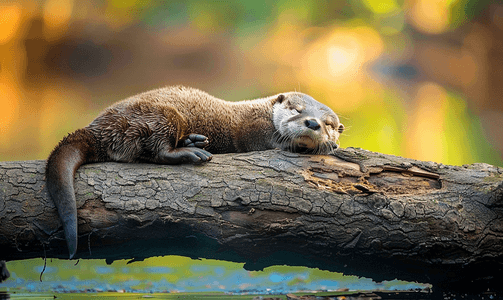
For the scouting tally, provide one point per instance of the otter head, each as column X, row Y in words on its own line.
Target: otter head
column 305, row 125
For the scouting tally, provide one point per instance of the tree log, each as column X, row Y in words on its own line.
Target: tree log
column 368, row 214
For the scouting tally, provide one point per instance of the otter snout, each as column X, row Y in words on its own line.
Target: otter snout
column 312, row 124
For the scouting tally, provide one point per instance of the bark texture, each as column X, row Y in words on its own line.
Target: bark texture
column 368, row 214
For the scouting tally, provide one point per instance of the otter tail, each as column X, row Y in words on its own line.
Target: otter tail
column 74, row 150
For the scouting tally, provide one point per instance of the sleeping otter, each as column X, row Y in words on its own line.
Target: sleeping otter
column 175, row 125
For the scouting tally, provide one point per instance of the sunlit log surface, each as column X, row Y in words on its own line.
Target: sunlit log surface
column 371, row 215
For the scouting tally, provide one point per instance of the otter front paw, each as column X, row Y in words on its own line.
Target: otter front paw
column 184, row 155
column 195, row 140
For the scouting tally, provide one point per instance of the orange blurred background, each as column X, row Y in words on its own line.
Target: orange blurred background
column 416, row 78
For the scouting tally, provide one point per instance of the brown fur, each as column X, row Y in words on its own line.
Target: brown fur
column 160, row 118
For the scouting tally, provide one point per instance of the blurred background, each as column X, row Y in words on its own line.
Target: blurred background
column 416, row 78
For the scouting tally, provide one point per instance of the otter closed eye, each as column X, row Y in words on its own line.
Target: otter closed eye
column 176, row 125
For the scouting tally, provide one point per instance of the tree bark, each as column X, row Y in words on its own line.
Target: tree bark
column 368, row 214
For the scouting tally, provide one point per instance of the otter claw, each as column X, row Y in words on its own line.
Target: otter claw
column 197, row 137
column 196, row 140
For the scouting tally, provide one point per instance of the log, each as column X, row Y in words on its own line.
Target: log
column 359, row 212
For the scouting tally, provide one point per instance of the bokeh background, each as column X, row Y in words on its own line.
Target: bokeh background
column 416, row 78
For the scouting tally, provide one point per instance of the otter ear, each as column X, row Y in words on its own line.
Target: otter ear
column 280, row 98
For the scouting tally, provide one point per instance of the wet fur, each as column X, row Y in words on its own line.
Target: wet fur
column 155, row 127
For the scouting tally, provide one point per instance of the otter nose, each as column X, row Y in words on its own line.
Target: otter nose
column 312, row 124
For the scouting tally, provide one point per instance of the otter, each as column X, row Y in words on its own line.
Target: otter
column 174, row 125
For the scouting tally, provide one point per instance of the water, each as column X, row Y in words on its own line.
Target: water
column 383, row 295
column 128, row 296
column 175, row 275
